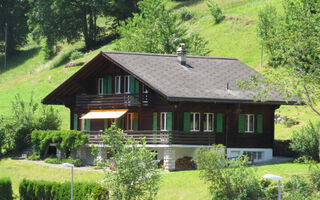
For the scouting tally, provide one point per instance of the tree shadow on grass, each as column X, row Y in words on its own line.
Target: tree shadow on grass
column 18, row 58
column 186, row 3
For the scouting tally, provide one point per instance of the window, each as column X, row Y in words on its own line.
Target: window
column 249, row 123
column 130, row 117
column 100, row 86
column 117, row 84
column 163, row 122
column 144, row 89
column 208, row 123
column 194, row 121
column 127, row 84
column 254, row 155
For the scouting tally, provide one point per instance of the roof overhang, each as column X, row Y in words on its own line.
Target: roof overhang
column 104, row 114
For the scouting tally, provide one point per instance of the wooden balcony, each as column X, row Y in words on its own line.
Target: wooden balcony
column 106, row 100
column 162, row 137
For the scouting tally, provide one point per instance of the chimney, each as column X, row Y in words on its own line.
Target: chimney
column 181, row 52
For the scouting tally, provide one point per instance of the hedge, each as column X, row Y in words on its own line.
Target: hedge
column 5, row 189
column 66, row 140
column 45, row 190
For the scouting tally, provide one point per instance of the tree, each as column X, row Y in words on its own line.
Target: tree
column 25, row 117
column 13, row 12
column 131, row 172
column 295, row 39
column 156, row 30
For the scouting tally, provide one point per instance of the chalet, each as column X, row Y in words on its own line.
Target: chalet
column 177, row 102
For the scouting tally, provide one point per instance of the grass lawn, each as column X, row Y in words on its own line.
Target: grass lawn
column 174, row 185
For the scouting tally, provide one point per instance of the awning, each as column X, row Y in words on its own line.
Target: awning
column 104, row 114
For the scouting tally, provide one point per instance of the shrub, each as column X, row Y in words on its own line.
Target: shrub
column 215, row 11
column 303, row 159
column 5, row 189
column 34, row 156
column 25, row 117
column 75, row 55
column 306, row 141
column 227, row 179
column 301, row 186
column 66, row 140
column 185, row 14
column 44, row 190
column 315, row 176
column 53, row 160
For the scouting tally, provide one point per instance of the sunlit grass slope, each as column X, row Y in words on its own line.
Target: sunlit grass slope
column 235, row 37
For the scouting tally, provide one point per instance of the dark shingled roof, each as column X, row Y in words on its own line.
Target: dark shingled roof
column 202, row 79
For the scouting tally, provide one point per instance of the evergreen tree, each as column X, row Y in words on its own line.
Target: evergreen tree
column 13, row 12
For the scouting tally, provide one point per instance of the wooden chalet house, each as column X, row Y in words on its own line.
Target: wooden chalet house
column 177, row 102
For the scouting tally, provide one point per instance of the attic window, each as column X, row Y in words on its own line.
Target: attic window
column 100, row 86
column 117, row 84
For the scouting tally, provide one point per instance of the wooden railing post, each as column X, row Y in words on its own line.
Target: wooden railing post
column 170, row 137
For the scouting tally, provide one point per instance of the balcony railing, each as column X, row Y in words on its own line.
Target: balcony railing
column 120, row 100
column 161, row 137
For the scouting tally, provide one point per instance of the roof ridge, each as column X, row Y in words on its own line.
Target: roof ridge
column 166, row 55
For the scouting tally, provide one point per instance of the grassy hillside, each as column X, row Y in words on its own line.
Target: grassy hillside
column 234, row 37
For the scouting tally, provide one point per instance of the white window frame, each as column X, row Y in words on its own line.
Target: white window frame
column 206, row 129
column 163, row 124
column 247, row 118
column 100, row 86
column 194, row 122
column 117, row 85
column 127, row 84
column 145, row 89
column 130, row 117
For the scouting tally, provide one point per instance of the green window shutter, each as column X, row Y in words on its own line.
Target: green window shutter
column 155, row 121
column 135, row 121
column 88, row 124
column 186, row 121
column 109, row 85
column 105, row 85
column 75, row 122
column 132, row 84
column 259, row 123
column 106, row 123
column 241, row 123
column 136, row 87
column 169, row 121
column 120, row 122
column 219, row 122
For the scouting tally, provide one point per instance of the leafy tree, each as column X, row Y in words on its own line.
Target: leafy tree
column 13, row 12
column 227, row 179
column 295, row 45
column 215, row 11
column 122, row 9
column 25, row 117
column 156, row 30
column 131, row 172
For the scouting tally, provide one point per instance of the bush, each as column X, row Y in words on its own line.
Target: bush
column 306, row 141
column 24, row 118
column 185, row 14
column 34, row 156
column 53, row 160
column 5, row 189
column 228, row 179
column 44, row 190
column 215, row 11
column 75, row 55
column 66, row 140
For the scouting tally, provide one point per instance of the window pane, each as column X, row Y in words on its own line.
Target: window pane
column 210, row 122
column 205, row 122
column 251, row 123
column 191, row 121
column 197, row 121
column 246, row 123
column 164, row 121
